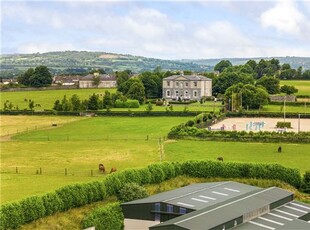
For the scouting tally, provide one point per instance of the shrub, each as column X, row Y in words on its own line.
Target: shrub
column 145, row 174
column 11, row 216
column 52, row 203
column 132, row 191
column 306, row 182
column 127, row 104
column 113, row 184
column 109, row 217
column 281, row 124
column 32, row 208
column 157, row 173
column 72, row 196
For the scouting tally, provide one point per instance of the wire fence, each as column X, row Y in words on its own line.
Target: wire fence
column 44, row 171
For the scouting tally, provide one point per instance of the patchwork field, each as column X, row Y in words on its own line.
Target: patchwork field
column 78, row 146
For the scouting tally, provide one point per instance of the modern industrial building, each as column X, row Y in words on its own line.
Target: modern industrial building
column 186, row 87
column 221, row 205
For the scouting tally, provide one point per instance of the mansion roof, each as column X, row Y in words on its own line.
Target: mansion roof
column 188, row 77
column 103, row 77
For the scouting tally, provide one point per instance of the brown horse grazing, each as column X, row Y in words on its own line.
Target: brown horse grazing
column 220, row 159
column 280, row 149
column 101, row 168
column 113, row 170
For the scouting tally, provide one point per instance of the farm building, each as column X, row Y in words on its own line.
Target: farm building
column 105, row 81
column 221, row 205
column 186, row 87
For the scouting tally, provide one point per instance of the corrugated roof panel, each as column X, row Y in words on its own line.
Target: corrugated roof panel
column 176, row 193
column 208, row 218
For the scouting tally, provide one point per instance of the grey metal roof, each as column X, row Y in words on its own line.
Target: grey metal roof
column 103, row 77
column 284, row 217
column 216, row 215
column 188, row 77
column 198, row 196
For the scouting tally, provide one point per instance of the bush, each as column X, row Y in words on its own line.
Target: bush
column 157, row 173
column 32, row 208
column 127, row 104
column 11, row 216
column 306, row 182
column 52, row 203
column 281, row 124
column 68, row 195
column 132, row 191
column 109, row 217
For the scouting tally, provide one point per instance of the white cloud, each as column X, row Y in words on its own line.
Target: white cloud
column 44, row 47
column 286, row 18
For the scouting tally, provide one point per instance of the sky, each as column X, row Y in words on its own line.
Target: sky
column 158, row 29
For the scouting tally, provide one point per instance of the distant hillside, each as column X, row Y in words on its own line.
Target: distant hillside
column 295, row 62
column 75, row 61
column 82, row 61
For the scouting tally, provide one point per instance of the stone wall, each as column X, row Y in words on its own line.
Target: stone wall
column 288, row 98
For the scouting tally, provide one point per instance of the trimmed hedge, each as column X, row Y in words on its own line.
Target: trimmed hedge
column 127, row 104
column 13, row 215
column 266, row 114
column 185, row 132
column 281, row 124
column 239, row 170
column 109, row 217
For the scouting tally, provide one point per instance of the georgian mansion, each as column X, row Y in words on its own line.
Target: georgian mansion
column 186, row 87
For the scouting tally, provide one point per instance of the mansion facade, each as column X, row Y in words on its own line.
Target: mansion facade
column 186, row 87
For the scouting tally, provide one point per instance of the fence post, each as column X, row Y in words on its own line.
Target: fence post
column 147, row 137
column 91, row 172
column 16, row 170
column 65, row 171
column 40, row 171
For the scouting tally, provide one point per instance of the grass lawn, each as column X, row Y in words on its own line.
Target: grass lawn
column 303, row 86
column 46, row 98
column 15, row 124
column 293, row 155
column 288, row 108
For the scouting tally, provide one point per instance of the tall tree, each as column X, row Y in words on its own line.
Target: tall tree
column 136, row 91
column 24, row 78
column 222, row 65
column 252, row 96
column 107, row 100
column 271, row 84
column 40, row 77
column 93, row 102
column 75, row 102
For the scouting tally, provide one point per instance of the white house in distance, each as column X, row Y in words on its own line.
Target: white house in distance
column 186, row 87
column 106, row 81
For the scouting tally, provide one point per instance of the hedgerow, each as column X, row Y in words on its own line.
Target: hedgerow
column 185, row 132
column 109, row 217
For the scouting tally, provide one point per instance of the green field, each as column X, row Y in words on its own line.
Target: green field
column 80, row 145
column 288, row 108
column 46, row 98
column 302, row 86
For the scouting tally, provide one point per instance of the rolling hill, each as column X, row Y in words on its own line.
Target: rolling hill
column 82, row 61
